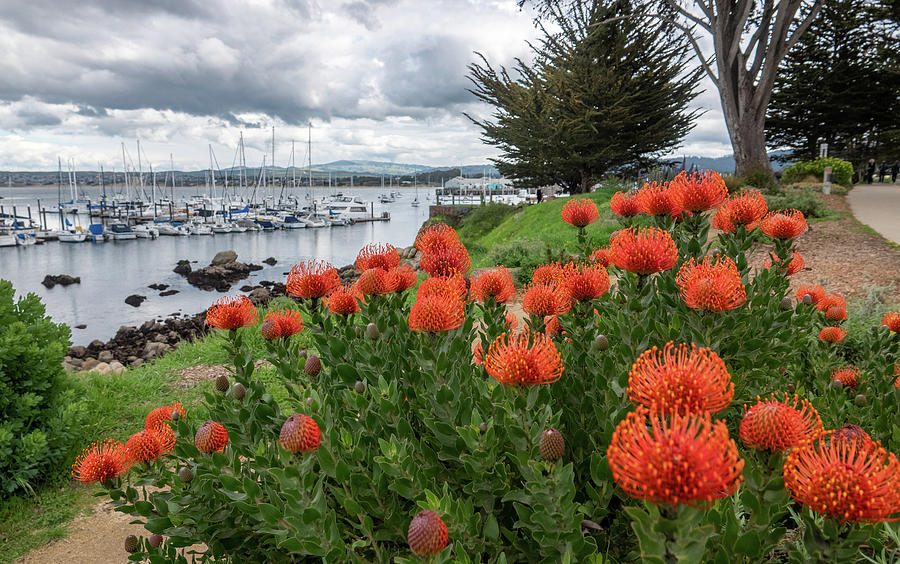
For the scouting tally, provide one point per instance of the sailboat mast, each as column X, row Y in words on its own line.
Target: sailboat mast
column 125, row 165
column 102, row 183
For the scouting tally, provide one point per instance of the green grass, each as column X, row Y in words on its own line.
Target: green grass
column 117, row 405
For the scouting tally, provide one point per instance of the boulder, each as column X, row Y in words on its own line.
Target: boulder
column 61, row 279
column 76, row 362
column 101, row 368
column 96, row 344
column 183, row 267
column 270, row 261
column 105, row 356
column 89, row 364
column 116, row 367
column 81, row 326
column 158, row 287
column 136, row 362
column 153, row 350
column 260, row 296
column 224, row 257
column 135, row 300
column 168, row 293
column 77, row 351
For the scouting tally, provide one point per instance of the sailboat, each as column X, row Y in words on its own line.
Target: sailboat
column 415, row 202
column 74, row 235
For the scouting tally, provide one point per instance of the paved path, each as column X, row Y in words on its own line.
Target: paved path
column 878, row 206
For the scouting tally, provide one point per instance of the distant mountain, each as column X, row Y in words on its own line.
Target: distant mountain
column 721, row 164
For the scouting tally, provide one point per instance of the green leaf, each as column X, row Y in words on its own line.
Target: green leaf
column 269, row 512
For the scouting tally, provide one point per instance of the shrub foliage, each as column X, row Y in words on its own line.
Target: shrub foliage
column 842, row 171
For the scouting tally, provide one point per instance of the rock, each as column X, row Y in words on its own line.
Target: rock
column 183, row 267
column 223, row 258
column 135, row 300
column 220, row 277
column 247, row 288
column 61, row 279
column 101, row 368
column 96, row 344
column 105, row 356
column 131, row 359
column 159, row 287
column 260, row 296
column 160, row 338
column 81, row 326
column 77, row 351
column 89, row 364
column 76, row 362
column 153, row 349
column 136, row 362
column 168, row 293
column 270, row 261
column 116, row 367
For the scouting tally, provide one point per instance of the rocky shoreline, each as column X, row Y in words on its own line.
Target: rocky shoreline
column 133, row 346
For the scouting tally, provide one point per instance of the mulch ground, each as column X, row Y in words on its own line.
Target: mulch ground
column 844, row 256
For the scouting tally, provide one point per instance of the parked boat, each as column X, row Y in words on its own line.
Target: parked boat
column 121, row 232
column 168, row 229
column 201, row 229
column 219, row 228
column 98, row 234
column 291, row 222
column 71, row 236
column 145, row 232
column 312, row 221
column 7, row 239
column 265, row 225
column 24, row 239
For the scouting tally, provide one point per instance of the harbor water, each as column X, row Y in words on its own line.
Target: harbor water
column 113, row 270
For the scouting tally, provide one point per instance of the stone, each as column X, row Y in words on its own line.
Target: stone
column 135, row 300
column 81, row 326
column 260, row 296
column 76, row 362
column 96, row 344
column 136, row 362
column 224, row 257
column 168, row 293
column 116, row 367
column 160, row 338
column 270, row 261
column 101, row 368
column 159, row 287
column 77, row 351
column 154, row 349
column 105, row 356
column 61, row 279
column 89, row 364
column 183, row 267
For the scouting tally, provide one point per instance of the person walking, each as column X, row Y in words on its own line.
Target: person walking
column 882, row 171
column 870, row 171
column 895, row 169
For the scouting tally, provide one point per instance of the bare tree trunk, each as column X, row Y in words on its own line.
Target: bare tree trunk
column 746, row 129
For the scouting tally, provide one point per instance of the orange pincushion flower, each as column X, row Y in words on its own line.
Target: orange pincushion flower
column 794, row 266
column 816, row 293
column 435, row 236
column 711, row 284
column 855, row 433
column 699, row 192
column 550, row 273
column 446, row 260
column 211, row 437
column 343, row 301
column 658, row 198
column 680, row 381
column 600, row 257
column 848, row 376
column 584, row 282
column 543, row 299
column 511, row 320
column 406, row 277
column 552, row 325
column 891, row 320
column 674, row 460
column 453, row 286
column 377, row 255
column 376, row 282
column 832, row 334
column 836, row 313
column 281, row 324
column 580, row 212
column 844, row 480
column 643, row 251
column 526, row 359
column 625, row 204
column 777, row 425
column 494, row 284
column 312, row 279
column 784, row 224
column 436, row 313
column 231, row 312
column 101, row 462
column 478, row 354
column 162, row 414
column 897, row 382
column 150, row 444
column 746, row 208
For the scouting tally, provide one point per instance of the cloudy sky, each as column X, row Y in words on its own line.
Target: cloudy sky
column 377, row 79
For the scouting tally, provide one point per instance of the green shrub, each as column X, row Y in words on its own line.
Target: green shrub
column 523, row 255
column 39, row 414
column 734, row 183
column 761, row 178
column 805, row 200
column 842, row 171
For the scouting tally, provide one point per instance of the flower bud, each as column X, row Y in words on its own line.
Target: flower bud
column 787, row 303
column 372, row 331
column 155, row 540
column 238, row 391
column 185, row 474
column 601, row 342
column 131, row 544
column 807, row 299
column 360, row 387
column 860, row 400
column 222, row 383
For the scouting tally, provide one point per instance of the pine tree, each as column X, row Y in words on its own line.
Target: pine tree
column 839, row 86
column 598, row 97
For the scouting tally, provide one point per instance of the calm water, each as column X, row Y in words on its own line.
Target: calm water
column 112, row 271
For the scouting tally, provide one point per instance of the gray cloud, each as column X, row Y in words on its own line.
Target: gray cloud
column 28, row 119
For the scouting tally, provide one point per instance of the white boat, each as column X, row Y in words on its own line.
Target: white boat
column 312, row 221
column 201, row 229
column 71, row 236
column 168, row 229
column 288, row 221
column 145, row 232
column 247, row 225
column 235, row 228
column 120, row 232
column 25, row 239
column 7, row 239
column 349, row 210
column 222, row 228
column 386, row 199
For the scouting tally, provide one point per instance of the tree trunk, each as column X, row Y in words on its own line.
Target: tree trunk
column 746, row 129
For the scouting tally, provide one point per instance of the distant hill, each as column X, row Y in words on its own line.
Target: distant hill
column 721, row 164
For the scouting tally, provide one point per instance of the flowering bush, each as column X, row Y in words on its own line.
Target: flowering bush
column 671, row 406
